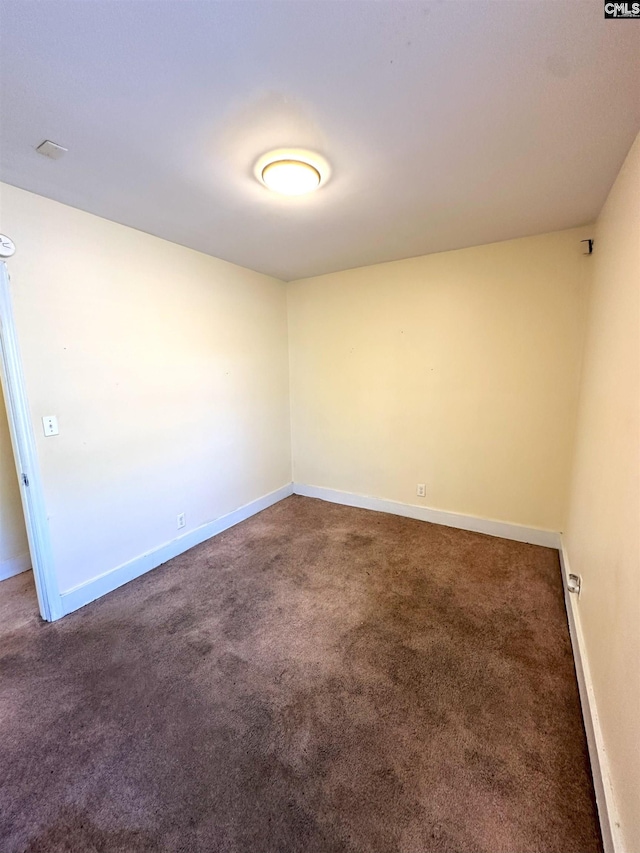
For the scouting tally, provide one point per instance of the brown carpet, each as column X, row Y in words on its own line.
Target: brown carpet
column 318, row 678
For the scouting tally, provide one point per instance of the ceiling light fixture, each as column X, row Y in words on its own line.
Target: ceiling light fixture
column 292, row 172
column 291, row 177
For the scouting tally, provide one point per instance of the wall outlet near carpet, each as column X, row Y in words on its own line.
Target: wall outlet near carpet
column 574, row 584
column 420, row 490
column 181, row 520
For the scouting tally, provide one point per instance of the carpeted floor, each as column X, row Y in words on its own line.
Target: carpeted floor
column 318, row 678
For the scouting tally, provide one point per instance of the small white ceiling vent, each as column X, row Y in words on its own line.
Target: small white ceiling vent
column 51, row 149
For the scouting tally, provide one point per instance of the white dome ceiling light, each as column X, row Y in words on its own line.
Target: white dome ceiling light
column 291, row 177
column 292, row 172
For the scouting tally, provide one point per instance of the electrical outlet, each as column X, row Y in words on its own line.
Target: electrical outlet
column 574, row 584
column 181, row 520
column 420, row 491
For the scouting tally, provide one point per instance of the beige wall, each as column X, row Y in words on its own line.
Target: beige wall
column 167, row 370
column 13, row 537
column 603, row 532
column 458, row 370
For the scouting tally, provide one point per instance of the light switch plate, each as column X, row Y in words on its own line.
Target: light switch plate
column 50, row 425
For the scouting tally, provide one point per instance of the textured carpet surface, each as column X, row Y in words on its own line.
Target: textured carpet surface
column 318, row 678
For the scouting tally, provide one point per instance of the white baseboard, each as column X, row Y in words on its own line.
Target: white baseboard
column 607, row 812
column 502, row 529
column 84, row 593
column 14, row 566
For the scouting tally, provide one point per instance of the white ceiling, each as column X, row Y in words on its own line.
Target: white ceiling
column 447, row 124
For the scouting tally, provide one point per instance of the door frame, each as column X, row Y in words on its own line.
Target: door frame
column 26, row 458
